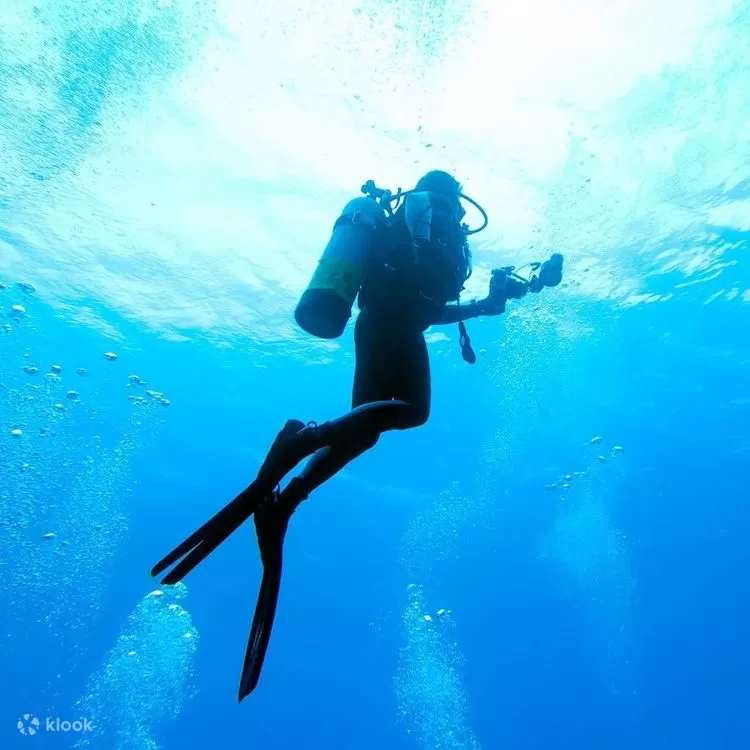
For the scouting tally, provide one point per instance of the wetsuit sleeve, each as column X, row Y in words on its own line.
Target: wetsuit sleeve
column 474, row 309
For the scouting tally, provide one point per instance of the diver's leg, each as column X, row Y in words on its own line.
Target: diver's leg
column 369, row 419
column 323, row 465
column 389, row 364
column 406, row 377
column 386, row 364
column 351, row 435
column 391, row 392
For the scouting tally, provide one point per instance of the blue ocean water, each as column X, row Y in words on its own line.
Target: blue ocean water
column 171, row 170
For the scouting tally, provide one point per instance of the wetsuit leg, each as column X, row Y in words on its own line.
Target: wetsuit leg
column 392, row 391
column 392, row 364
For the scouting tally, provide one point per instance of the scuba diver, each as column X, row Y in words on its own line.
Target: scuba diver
column 406, row 258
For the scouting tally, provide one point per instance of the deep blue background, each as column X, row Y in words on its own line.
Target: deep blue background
column 658, row 379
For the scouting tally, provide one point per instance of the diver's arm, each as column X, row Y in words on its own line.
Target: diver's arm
column 474, row 309
column 502, row 288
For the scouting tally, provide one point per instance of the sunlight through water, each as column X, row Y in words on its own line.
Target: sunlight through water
column 155, row 150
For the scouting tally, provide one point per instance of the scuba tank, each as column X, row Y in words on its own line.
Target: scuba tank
column 326, row 305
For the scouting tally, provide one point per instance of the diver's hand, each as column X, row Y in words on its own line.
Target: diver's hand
column 503, row 286
column 498, row 281
column 515, row 289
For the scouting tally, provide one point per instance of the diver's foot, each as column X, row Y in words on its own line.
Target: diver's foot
column 295, row 442
column 273, row 514
column 271, row 522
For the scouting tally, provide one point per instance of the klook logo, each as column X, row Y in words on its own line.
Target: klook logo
column 28, row 724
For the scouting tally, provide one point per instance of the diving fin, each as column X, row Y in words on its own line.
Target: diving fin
column 271, row 521
column 208, row 537
column 260, row 632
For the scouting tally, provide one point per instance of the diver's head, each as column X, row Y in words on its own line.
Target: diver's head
column 443, row 184
column 440, row 182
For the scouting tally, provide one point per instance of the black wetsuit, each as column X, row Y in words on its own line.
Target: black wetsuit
column 392, row 363
column 392, row 385
column 398, row 301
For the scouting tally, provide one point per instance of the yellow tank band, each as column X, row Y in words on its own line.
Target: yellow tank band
column 338, row 275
